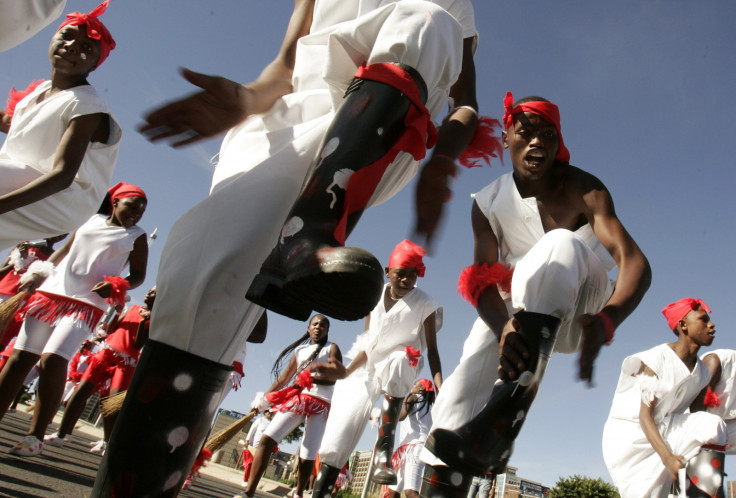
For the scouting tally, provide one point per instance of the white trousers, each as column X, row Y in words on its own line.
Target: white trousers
column 314, row 427
column 215, row 250
column 62, row 339
column 353, row 400
column 559, row 276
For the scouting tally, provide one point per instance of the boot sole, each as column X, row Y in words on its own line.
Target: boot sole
column 266, row 290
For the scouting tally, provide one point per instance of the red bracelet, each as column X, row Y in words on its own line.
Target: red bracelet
column 607, row 324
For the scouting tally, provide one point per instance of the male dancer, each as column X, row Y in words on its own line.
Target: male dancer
column 544, row 237
column 397, row 63
column 655, row 427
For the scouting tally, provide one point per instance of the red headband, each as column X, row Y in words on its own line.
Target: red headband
column 95, row 29
column 547, row 110
column 122, row 190
column 674, row 312
column 427, row 384
column 407, row 254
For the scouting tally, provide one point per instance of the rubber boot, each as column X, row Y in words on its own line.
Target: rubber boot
column 325, row 482
column 310, row 269
column 162, row 425
column 705, row 473
column 487, row 440
column 444, row 482
column 383, row 471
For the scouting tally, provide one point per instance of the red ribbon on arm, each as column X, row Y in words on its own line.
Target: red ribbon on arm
column 119, row 290
column 413, row 355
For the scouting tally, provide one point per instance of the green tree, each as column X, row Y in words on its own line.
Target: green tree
column 582, row 487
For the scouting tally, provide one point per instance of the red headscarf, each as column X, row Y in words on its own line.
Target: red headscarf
column 95, row 29
column 547, row 110
column 407, row 254
column 122, row 190
column 427, row 384
column 674, row 312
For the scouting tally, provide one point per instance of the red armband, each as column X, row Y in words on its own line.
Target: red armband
column 711, row 399
column 607, row 324
column 413, row 355
column 476, row 278
column 484, row 145
column 118, row 292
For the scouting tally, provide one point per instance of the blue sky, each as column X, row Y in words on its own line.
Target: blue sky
column 645, row 91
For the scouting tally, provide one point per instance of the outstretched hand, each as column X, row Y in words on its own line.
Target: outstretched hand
column 103, row 289
column 513, row 351
column 327, row 373
column 594, row 336
column 432, row 192
column 220, row 105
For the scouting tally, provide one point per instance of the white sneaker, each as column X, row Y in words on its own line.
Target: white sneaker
column 99, row 447
column 29, row 446
column 55, row 440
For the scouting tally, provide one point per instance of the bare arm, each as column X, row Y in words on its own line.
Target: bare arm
column 332, row 371
column 141, row 333
column 672, row 462
column 433, row 355
column 285, row 376
column 634, row 275
column 713, row 362
column 458, row 129
column 222, row 103
column 69, row 155
column 5, row 120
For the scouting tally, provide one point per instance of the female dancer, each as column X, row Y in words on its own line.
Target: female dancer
column 308, row 400
column 65, row 308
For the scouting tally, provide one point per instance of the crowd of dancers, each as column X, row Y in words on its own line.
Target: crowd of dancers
column 339, row 121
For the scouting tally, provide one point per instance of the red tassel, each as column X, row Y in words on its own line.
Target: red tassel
column 484, row 144
column 413, row 355
column 118, row 292
column 282, row 396
column 476, row 278
column 304, row 379
column 18, row 95
column 711, row 399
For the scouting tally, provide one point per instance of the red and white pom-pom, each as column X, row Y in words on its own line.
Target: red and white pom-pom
column 413, row 355
column 18, row 95
column 476, row 278
column 484, row 145
column 119, row 290
column 711, row 399
column 260, row 402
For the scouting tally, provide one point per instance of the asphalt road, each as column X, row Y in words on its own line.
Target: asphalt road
column 70, row 471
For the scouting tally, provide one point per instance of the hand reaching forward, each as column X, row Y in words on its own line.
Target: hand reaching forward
column 220, row 105
column 513, row 351
column 594, row 336
column 432, row 192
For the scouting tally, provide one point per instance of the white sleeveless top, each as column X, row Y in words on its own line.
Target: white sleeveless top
column 303, row 353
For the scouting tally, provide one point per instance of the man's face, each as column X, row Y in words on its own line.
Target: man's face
column 699, row 327
column 532, row 144
column 402, row 280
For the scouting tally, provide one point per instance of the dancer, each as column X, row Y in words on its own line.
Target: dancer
column 252, row 440
column 399, row 331
column 416, row 419
column 62, row 144
column 307, row 401
column 277, row 129
column 113, row 364
column 545, row 236
column 15, row 265
column 653, row 429
column 66, row 307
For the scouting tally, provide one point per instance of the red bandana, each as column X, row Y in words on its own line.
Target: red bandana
column 95, row 29
column 674, row 312
column 547, row 110
column 407, row 254
column 427, row 384
column 122, row 190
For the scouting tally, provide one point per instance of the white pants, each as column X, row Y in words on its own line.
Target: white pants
column 63, row 339
column 353, row 400
column 215, row 250
column 559, row 276
column 314, row 427
column 409, row 476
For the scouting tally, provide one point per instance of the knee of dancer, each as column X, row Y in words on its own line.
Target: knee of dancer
column 712, row 429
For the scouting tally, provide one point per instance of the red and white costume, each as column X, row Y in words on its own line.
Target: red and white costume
column 64, row 310
column 388, row 370
column 29, row 152
column 559, row 273
column 413, row 432
column 636, row 469
column 726, row 392
column 310, row 406
column 263, row 162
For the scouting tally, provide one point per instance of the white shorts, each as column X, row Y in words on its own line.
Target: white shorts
column 314, row 427
column 63, row 339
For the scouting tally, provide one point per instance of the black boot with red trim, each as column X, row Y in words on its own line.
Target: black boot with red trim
column 162, row 425
column 487, row 440
column 324, row 485
column 310, row 269
column 383, row 471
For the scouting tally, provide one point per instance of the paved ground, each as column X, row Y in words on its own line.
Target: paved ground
column 70, row 471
